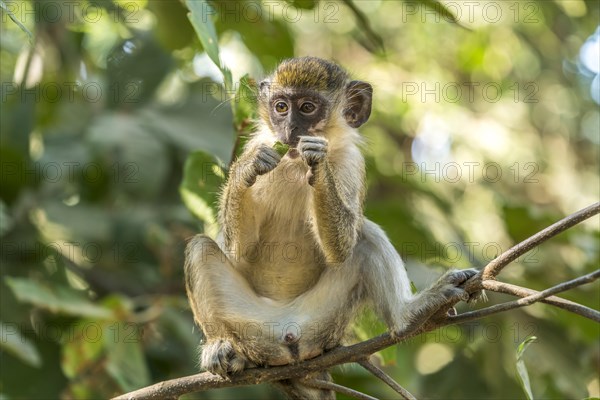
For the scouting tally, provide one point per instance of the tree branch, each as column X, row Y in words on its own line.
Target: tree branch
column 372, row 368
column 493, row 268
column 320, row 384
column 174, row 388
column 519, row 291
column 526, row 301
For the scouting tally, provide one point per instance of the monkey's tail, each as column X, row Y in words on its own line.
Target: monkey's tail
column 295, row 390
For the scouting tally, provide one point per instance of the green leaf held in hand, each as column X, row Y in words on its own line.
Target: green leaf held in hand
column 281, row 148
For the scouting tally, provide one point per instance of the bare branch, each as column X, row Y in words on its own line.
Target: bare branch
column 576, row 308
column 174, row 388
column 378, row 372
column 526, row 301
column 496, row 265
column 320, row 384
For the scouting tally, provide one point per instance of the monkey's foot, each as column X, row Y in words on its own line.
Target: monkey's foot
column 440, row 297
column 451, row 284
column 220, row 358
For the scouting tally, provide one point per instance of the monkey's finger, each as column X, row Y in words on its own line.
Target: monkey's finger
column 309, row 138
column 312, row 139
column 458, row 277
column 313, row 157
column 269, row 156
column 314, row 147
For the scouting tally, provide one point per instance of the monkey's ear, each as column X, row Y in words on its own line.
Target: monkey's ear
column 264, row 88
column 358, row 103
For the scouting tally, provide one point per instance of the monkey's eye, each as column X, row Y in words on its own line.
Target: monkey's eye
column 307, row 107
column 281, row 107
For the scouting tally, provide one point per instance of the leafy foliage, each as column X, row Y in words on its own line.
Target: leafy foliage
column 119, row 119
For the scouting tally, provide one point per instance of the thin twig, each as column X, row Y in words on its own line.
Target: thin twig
column 525, row 301
column 379, row 373
column 365, row 26
column 174, row 388
column 320, row 384
column 496, row 265
column 519, row 291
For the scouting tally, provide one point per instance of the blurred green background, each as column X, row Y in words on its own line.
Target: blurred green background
column 485, row 129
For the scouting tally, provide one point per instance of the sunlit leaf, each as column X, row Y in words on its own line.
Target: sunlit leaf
column 442, row 10
column 14, row 18
column 269, row 40
column 245, row 104
column 13, row 342
column 200, row 15
column 522, row 369
column 202, row 178
column 303, row 4
column 125, row 358
column 56, row 299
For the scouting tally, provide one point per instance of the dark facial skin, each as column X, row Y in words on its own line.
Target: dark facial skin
column 297, row 113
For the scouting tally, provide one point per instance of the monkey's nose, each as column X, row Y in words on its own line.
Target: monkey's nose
column 293, row 137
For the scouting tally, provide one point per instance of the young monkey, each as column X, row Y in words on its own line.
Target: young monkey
column 296, row 257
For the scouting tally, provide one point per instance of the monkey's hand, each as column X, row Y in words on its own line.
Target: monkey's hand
column 313, row 149
column 262, row 161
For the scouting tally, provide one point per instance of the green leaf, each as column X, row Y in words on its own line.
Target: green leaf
column 13, row 342
column 303, row 4
column 141, row 160
column 442, row 10
column 179, row 125
column 83, row 348
column 245, row 104
column 6, row 221
column 201, row 18
column 281, row 148
column 269, row 40
column 125, row 357
column 522, row 369
column 202, row 179
column 413, row 288
column 367, row 326
column 56, row 299
column 14, row 18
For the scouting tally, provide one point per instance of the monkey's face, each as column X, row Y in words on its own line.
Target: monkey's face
column 297, row 113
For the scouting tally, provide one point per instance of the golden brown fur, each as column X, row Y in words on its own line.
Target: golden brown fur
column 296, row 257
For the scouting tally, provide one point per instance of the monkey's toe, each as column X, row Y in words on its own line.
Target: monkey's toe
column 220, row 358
column 460, row 276
column 453, row 282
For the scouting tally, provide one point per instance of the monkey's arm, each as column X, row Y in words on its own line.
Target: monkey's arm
column 338, row 197
column 256, row 160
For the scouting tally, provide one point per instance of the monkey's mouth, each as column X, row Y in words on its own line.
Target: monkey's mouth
column 292, row 141
column 293, row 153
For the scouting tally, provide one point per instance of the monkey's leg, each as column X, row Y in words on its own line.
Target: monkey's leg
column 387, row 284
column 235, row 321
column 295, row 390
